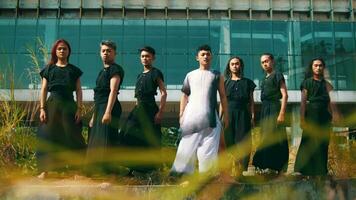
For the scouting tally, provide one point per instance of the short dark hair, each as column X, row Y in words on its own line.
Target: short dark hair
column 204, row 47
column 148, row 49
column 108, row 43
column 269, row 55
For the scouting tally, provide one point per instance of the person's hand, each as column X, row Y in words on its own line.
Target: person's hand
column 106, row 118
column 180, row 119
column 43, row 116
column 226, row 121
column 222, row 144
column 303, row 124
column 280, row 118
column 78, row 116
column 336, row 118
column 158, row 118
column 91, row 122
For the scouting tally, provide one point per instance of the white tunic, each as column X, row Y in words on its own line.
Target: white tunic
column 200, row 112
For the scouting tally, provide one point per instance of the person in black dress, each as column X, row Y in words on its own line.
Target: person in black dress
column 104, row 123
column 239, row 92
column 60, row 115
column 316, row 114
column 272, row 152
column 142, row 128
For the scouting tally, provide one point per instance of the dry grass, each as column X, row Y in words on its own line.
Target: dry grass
column 16, row 140
column 342, row 160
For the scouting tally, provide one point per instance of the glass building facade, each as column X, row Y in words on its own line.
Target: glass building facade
column 294, row 31
column 293, row 43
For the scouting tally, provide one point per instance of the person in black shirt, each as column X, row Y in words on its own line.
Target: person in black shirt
column 104, row 123
column 272, row 152
column 317, row 111
column 60, row 115
column 239, row 93
column 142, row 128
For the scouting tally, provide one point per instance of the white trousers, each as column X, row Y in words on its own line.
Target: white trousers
column 203, row 145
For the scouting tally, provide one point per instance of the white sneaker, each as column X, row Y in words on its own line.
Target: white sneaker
column 269, row 171
column 43, row 175
column 251, row 171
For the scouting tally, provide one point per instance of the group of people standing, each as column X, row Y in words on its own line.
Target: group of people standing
column 60, row 115
column 200, row 122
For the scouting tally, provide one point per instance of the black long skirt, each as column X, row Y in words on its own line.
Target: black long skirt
column 60, row 139
column 273, row 150
column 102, row 140
column 239, row 130
column 141, row 132
column 312, row 155
column 140, row 129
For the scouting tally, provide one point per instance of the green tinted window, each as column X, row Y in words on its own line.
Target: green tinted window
column 90, row 36
column 69, row 29
column 241, row 37
column 7, row 36
column 294, row 44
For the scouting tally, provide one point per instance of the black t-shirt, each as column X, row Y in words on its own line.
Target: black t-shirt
column 317, row 90
column 102, row 88
column 147, row 84
column 61, row 79
column 239, row 90
column 271, row 87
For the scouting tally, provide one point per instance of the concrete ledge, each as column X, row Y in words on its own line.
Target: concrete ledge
column 173, row 95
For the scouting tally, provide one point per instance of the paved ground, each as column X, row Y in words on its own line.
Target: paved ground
column 276, row 188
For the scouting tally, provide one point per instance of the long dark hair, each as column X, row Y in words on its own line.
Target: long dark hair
column 227, row 72
column 54, row 57
column 309, row 69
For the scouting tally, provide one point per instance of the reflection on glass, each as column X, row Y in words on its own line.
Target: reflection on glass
column 294, row 44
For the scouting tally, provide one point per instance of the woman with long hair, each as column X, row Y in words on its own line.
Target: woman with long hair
column 316, row 114
column 60, row 116
column 239, row 93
